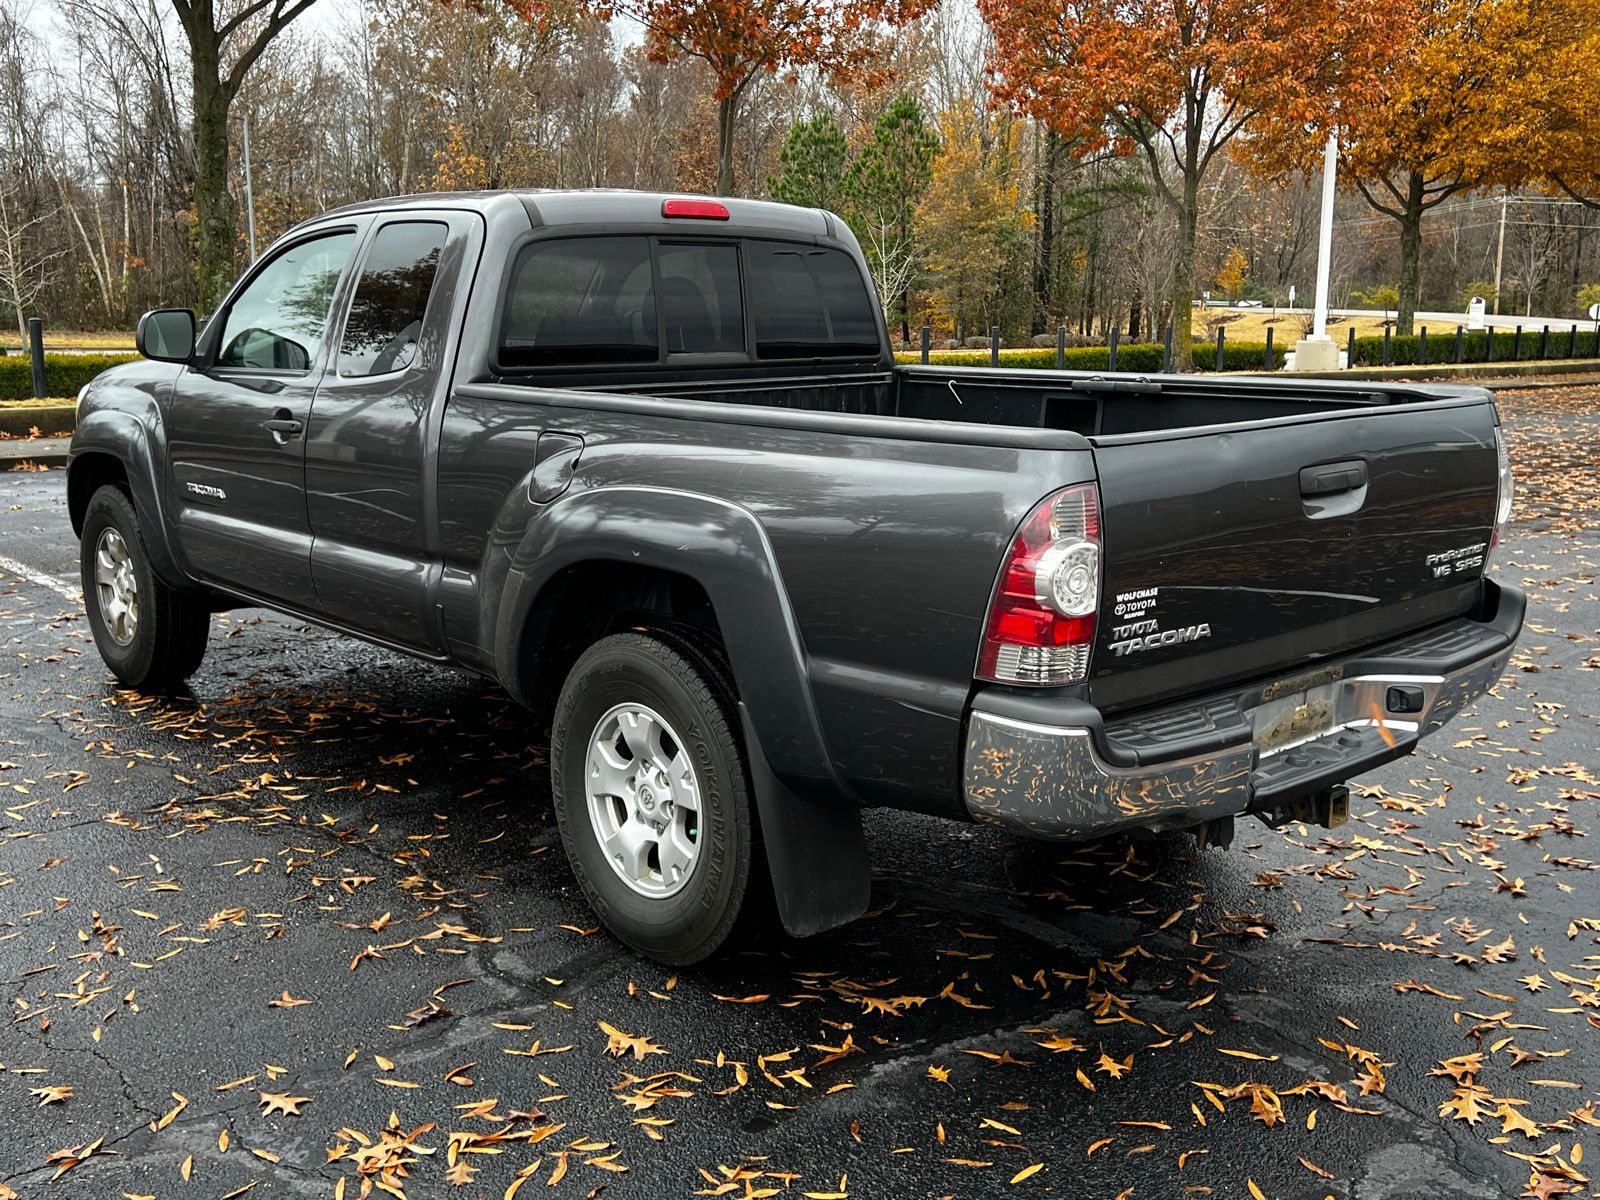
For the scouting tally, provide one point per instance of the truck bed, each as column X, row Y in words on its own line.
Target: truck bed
column 1091, row 404
column 1251, row 524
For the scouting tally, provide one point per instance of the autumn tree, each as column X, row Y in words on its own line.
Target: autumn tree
column 1176, row 81
column 739, row 40
column 887, row 180
column 1233, row 273
column 812, row 165
column 1557, row 121
column 1445, row 117
column 972, row 227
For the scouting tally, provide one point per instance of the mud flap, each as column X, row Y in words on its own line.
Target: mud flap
column 816, row 851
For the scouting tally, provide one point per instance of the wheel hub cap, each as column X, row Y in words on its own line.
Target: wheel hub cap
column 116, row 587
column 643, row 800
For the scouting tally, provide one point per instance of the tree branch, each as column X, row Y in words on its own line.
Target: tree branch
column 276, row 24
column 1586, row 201
column 1397, row 213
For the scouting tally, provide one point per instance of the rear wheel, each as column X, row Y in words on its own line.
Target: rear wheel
column 652, row 795
column 150, row 635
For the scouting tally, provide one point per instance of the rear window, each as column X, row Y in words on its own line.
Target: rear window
column 808, row 301
column 580, row 300
column 593, row 301
column 700, row 297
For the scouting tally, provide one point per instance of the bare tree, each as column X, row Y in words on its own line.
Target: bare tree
column 225, row 40
column 27, row 260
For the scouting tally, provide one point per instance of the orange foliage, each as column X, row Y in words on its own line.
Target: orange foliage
column 1183, row 75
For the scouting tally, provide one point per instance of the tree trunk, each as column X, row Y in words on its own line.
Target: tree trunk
column 1182, row 295
column 213, row 203
column 1044, row 271
column 727, row 109
column 1410, row 256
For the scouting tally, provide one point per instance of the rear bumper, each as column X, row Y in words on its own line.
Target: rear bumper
column 1054, row 769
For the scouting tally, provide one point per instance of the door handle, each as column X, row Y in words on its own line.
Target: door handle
column 1333, row 478
column 283, row 426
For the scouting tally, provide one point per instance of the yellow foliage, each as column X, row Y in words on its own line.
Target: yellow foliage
column 456, row 168
column 968, row 221
column 1233, row 273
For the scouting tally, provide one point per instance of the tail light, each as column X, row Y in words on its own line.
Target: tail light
column 1041, row 621
column 1504, row 489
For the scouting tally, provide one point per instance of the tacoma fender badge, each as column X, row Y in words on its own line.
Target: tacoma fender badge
column 206, row 490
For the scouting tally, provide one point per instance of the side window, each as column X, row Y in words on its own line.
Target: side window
column 700, row 298
column 580, row 300
column 381, row 333
column 277, row 322
column 808, row 302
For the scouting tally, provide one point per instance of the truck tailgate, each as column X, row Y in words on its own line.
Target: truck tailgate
column 1239, row 551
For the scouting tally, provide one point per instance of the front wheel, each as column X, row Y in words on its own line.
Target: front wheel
column 150, row 635
column 652, row 795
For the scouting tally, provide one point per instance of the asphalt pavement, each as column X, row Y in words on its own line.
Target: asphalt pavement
column 307, row 932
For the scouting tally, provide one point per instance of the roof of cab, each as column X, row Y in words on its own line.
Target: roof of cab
column 591, row 206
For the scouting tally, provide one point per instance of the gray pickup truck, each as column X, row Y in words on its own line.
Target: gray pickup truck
column 649, row 463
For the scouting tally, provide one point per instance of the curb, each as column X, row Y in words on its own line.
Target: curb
column 49, row 419
column 39, row 452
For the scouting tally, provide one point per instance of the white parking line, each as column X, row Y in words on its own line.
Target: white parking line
column 12, row 567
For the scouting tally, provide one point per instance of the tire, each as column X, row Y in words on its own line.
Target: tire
column 680, row 708
column 165, row 639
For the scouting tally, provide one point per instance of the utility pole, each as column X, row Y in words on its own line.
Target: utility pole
column 250, row 199
column 1318, row 352
column 1500, row 253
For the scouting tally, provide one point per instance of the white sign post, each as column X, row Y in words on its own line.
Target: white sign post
column 1475, row 311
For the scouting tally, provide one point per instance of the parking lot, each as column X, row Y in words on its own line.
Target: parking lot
column 308, row 932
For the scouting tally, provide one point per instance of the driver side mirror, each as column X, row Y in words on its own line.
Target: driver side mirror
column 166, row 335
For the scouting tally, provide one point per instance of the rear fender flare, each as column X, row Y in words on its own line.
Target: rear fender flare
column 803, row 805
column 723, row 548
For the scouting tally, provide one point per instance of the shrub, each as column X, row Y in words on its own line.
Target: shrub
column 1140, row 357
column 64, row 374
column 1405, row 351
column 1251, row 356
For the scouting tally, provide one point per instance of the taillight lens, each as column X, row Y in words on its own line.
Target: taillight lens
column 1041, row 621
column 1504, row 489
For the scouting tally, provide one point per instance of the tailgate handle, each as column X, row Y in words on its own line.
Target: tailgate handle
column 1332, row 478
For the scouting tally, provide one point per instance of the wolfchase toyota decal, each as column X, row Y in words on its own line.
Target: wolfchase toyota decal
column 1145, row 633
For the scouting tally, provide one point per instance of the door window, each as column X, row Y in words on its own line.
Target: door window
column 384, row 327
column 278, row 321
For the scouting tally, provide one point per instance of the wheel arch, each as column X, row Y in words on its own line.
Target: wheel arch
column 110, row 446
column 711, row 562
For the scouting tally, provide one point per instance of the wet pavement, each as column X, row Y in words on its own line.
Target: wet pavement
column 309, row 929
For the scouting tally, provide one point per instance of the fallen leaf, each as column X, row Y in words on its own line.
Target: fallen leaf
column 281, row 1102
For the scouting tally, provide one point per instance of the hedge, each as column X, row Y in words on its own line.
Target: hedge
column 64, row 374
column 1251, row 356
column 1142, row 356
column 1404, row 351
